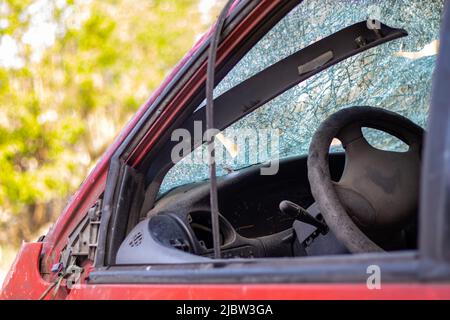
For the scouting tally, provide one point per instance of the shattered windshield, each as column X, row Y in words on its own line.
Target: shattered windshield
column 395, row 76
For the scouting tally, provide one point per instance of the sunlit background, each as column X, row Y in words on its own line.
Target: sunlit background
column 72, row 73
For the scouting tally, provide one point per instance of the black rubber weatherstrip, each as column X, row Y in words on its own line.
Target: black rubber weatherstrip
column 210, row 125
column 399, row 267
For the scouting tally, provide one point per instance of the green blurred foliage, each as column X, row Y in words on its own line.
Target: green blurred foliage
column 63, row 106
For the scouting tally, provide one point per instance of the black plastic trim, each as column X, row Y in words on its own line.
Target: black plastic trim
column 434, row 224
column 114, row 174
column 398, row 267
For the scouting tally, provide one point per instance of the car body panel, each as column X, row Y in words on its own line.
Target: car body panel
column 23, row 280
column 261, row 292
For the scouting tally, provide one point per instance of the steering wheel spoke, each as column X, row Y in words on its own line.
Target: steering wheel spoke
column 378, row 189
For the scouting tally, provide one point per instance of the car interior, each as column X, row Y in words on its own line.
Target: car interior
column 344, row 103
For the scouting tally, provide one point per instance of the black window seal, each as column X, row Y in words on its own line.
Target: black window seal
column 399, row 267
column 434, row 219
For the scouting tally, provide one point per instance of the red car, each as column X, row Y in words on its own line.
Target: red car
column 327, row 185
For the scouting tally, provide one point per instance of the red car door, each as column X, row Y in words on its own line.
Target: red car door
column 37, row 271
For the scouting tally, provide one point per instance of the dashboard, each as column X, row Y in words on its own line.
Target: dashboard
column 178, row 228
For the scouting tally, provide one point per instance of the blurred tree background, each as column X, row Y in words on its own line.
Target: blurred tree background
column 72, row 73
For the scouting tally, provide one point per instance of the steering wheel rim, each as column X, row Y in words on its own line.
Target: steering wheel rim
column 361, row 187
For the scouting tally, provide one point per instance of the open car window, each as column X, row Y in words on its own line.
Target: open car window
column 170, row 240
column 395, row 76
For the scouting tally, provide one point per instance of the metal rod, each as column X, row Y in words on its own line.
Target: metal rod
column 215, row 38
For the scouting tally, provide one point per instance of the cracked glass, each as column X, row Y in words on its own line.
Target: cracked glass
column 395, row 76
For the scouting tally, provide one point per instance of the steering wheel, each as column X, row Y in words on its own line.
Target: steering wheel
column 378, row 190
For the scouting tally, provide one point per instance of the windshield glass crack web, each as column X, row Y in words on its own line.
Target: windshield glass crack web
column 395, row 76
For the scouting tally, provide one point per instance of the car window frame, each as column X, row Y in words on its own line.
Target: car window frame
column 430, row 262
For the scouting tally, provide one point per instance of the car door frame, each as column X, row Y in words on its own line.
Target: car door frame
column 430, row 263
